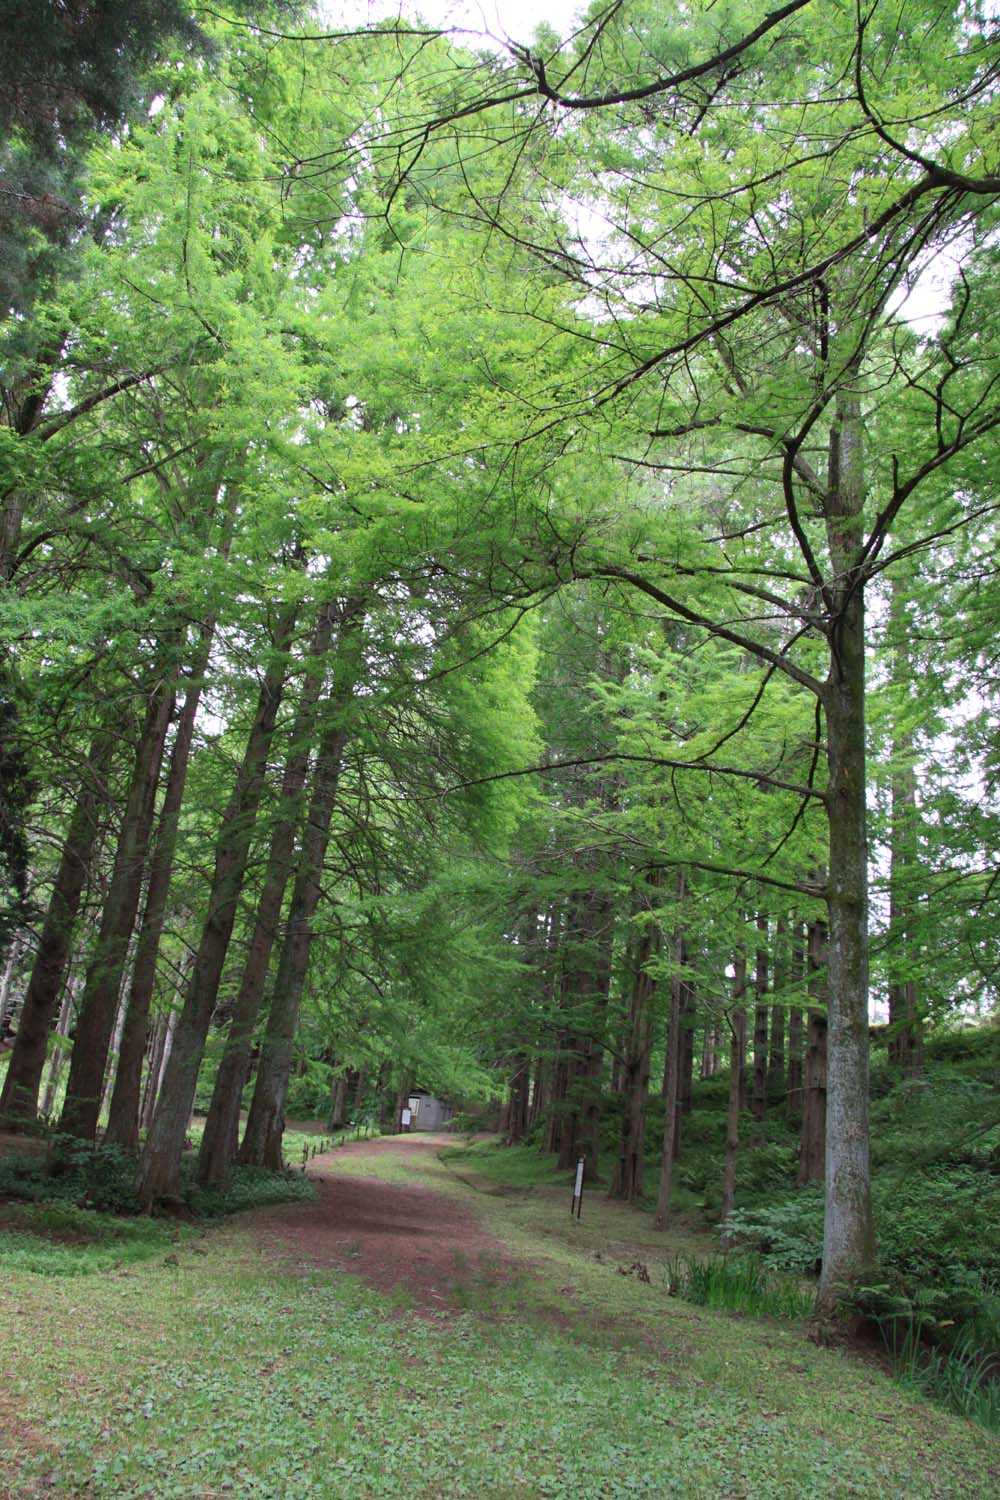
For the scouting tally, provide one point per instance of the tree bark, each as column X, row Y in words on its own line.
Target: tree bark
column 265, row 1121
column 102, row 987
column 758, row 1102
column 222, row 1123
column 669, row 1151
column 58, row 1058
column 159, row 1169
column 7, row 1000
column 776, row 1050
column 338, row 1102
column 19, row 1100
column 848, row 1235
column 627, row 1182
column 737, row 1059
column 123, row 1111
column 797, row 972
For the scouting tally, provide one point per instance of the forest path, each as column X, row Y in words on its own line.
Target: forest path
column 373, row 1220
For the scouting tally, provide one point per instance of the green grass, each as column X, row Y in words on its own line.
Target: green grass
column 513, row 1166
column 61, row 1239
column 961, row 1376
column 226, row 1374
column 739, row 1283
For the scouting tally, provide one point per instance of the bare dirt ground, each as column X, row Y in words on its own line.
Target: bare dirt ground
column 394, row 1235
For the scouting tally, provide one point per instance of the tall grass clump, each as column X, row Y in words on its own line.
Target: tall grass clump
column 962, row 1377
column 737, row 1283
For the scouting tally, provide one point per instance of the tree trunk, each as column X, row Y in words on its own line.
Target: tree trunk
column 758, row 1102
column 517, row 1116
column 627, row 1182
column 670, row 1098
column 102, row 987
column 58, row 1058
column 795, row 1024
column 159, row 1169
column 338, row 1102
column 776, row 1051
column 812, row 1144
column 19, row 1100
column 123, row 1111
column 709, row 1051
column 7, row 986
column 737, row 1057
column 222, row 1123
column 265, row 1121
column 848, row 1234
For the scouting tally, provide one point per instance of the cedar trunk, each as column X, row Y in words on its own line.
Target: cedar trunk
column 102, row 987
column 123, row 1112
column 19, row 1100
column 265, row 1122
column 159, row 1169
column 222, row 1123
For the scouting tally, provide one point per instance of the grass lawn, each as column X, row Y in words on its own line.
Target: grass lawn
column 213, row 1368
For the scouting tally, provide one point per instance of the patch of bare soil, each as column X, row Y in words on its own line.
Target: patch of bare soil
column 394, row 1235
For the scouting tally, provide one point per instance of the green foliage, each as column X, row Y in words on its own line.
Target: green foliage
column 100, row 1179
column 961, row 1377
column 788, row 1233
column 308, row 1096
column 62, row 1239
column 738, row 1283
column 76, row 1178
column 249, row 1187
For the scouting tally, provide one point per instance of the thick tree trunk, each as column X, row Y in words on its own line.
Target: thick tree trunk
column 159, row 1170
column 848, row 1234
column 586, row 982
column 265, row 1121
column 99, row 1003
column 19, row 1100
column 338, row 1102
column 517, row 1114
column 737, row 1059
column 123, row 1111
column 628, row 1178
column 222, row 1124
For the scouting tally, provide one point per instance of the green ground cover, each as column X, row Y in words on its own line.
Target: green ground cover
column 217, row 1370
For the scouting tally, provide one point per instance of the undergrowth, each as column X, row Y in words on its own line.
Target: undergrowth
column 737, row 1283
column 961, row 1377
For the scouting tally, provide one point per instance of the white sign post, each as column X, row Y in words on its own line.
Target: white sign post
column 577, row 1203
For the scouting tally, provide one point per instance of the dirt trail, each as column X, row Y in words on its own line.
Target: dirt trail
column 391, row 1234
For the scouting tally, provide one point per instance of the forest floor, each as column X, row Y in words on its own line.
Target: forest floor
column 427, row 1331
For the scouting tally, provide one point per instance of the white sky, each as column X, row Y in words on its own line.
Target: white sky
column 484, row 19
